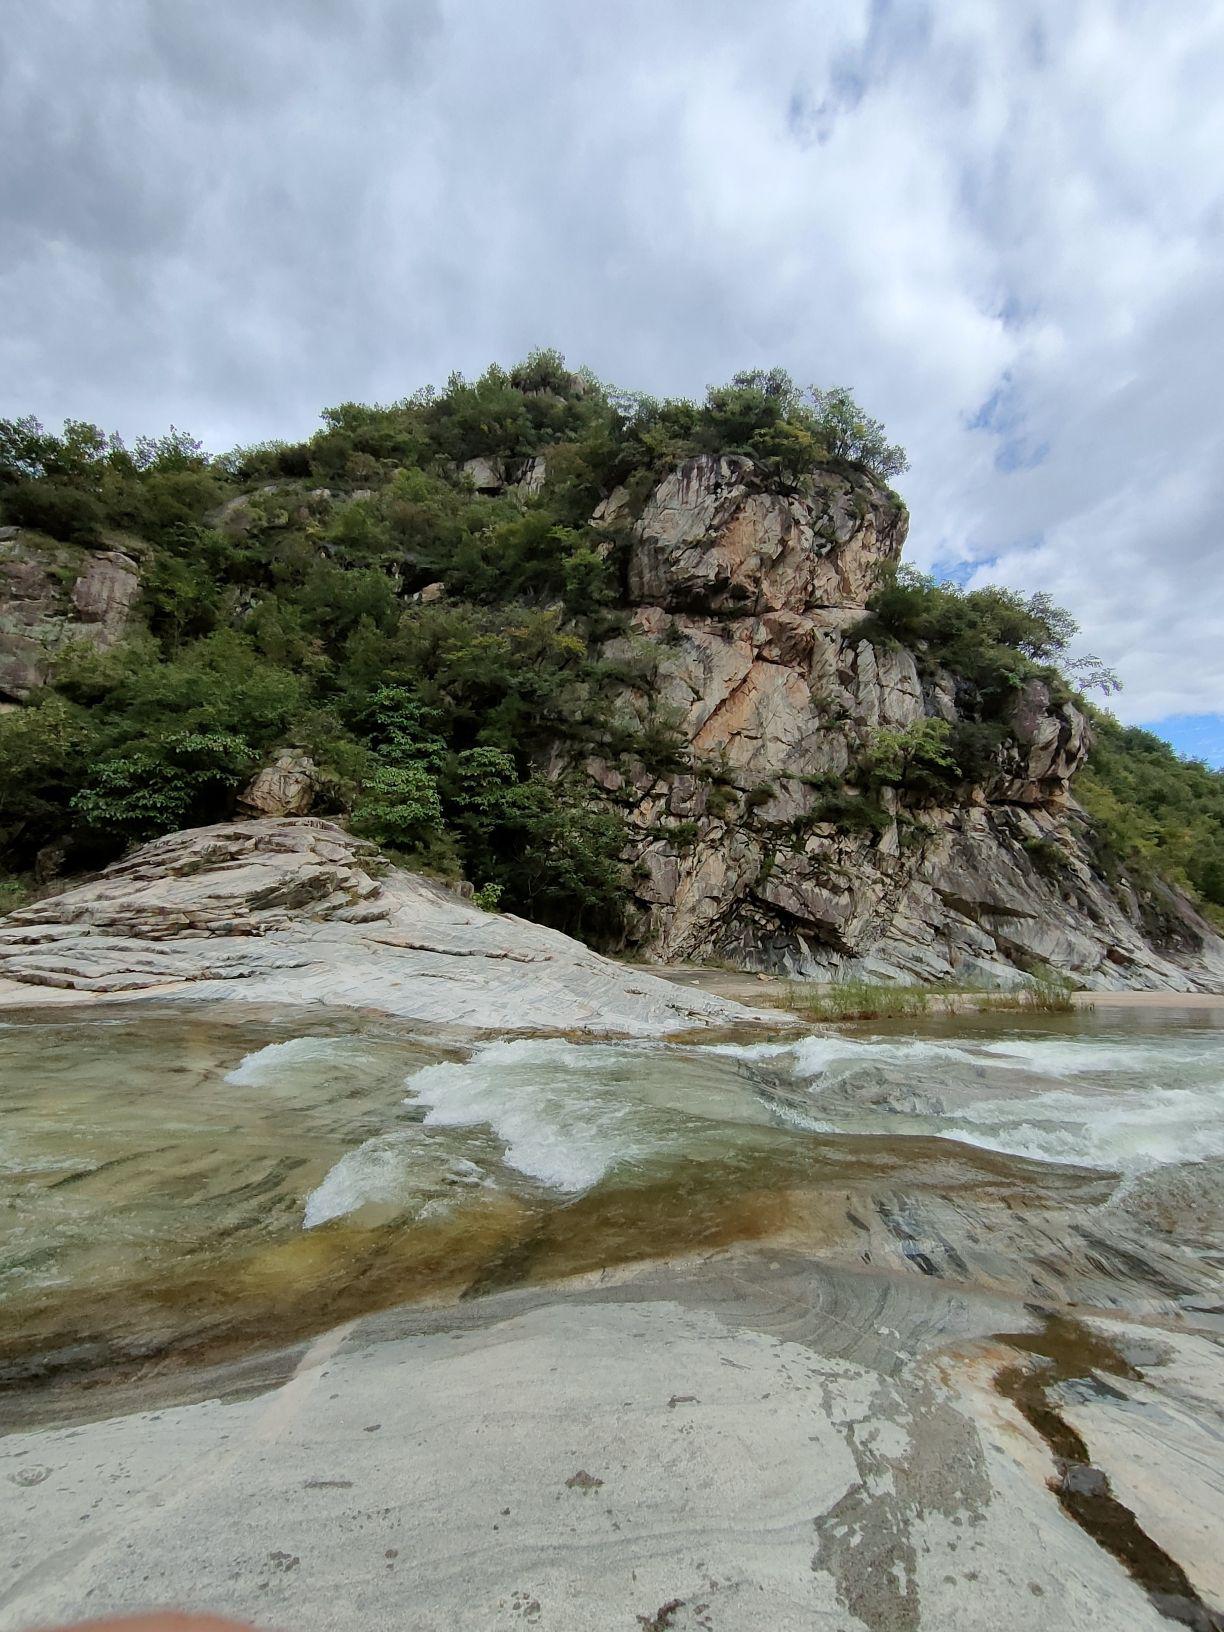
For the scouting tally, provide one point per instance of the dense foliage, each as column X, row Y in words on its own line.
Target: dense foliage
column 1154, row 812
column 281, row 605
column 434, row 648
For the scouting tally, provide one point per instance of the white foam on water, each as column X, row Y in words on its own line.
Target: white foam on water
column 1125, row 1132
column 1130, row 1104
column 563, row 1115
column 404, row 1170
column 267, row 1065
column 563, row 1133
column 1075, row 1056
column 811, row 1056
column 568, row 1115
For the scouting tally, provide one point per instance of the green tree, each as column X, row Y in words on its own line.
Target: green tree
column 917, row 757
column 849, row 433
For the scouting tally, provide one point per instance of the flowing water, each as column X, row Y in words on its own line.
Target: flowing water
column 179, row 1182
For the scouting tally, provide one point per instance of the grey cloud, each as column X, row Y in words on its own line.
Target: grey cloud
column 230, row 214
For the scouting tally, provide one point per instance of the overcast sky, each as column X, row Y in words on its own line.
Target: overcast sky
column 1001, row 222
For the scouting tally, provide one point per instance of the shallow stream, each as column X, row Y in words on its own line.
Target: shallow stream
column 190, row 1182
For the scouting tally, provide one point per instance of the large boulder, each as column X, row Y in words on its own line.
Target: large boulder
column 487, row 476
column 285, row 788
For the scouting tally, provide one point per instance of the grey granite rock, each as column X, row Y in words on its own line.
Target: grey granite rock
column 51, row 594
column 296, row 910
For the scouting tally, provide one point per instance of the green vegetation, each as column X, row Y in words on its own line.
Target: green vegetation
column 866, row 1000
column 993, row 640
column 1046, row 994
column 855, row 1000
column 281, row 606
column 1155, row 814
column 436, row 649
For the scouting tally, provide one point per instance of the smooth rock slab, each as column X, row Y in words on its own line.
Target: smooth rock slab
column 296, row 910
column 582, row 1464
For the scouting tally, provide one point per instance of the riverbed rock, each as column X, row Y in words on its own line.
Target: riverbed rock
column 296, row 910
column 52, row 594
column 753, row 1445
column 749, row 601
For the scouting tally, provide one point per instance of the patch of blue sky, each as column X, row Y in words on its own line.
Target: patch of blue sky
column 1017, row 453
column 1196, row 736
column 946, row 570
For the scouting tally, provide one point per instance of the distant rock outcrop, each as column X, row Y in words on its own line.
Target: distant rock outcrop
column 51, row 594
column 749, row 594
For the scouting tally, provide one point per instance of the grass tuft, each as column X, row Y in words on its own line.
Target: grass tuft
column 866, row 1000
column 856, row 1000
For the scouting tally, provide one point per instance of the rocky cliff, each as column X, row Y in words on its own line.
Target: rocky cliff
column 751, row 596
column 53, row 593
column 704, row 654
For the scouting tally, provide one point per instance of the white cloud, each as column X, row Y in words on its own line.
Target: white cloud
column 230, row 215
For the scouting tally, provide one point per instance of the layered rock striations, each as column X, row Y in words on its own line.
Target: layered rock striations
column 751, row 599
column 298, row 911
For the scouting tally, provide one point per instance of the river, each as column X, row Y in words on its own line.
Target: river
column 183, row 1183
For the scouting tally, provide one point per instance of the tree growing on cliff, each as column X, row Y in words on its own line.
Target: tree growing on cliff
column 847, row 432
column 917, row 757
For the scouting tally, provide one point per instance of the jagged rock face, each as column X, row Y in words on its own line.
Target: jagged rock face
column 750, row 600
column 1048, row 744
column 716, row 537
column 51, row 594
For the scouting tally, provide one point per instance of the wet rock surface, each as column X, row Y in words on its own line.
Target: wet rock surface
column 831, row 1465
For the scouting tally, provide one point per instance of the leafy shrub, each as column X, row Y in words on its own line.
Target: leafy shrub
column 182, row 779
column 400, row 807
column 993, row 638
column 916, row 757
column 52, row 507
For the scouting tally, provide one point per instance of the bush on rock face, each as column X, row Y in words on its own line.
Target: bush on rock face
column 54, row 508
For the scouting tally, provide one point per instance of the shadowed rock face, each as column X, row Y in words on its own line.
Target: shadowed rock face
column 750, row 595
